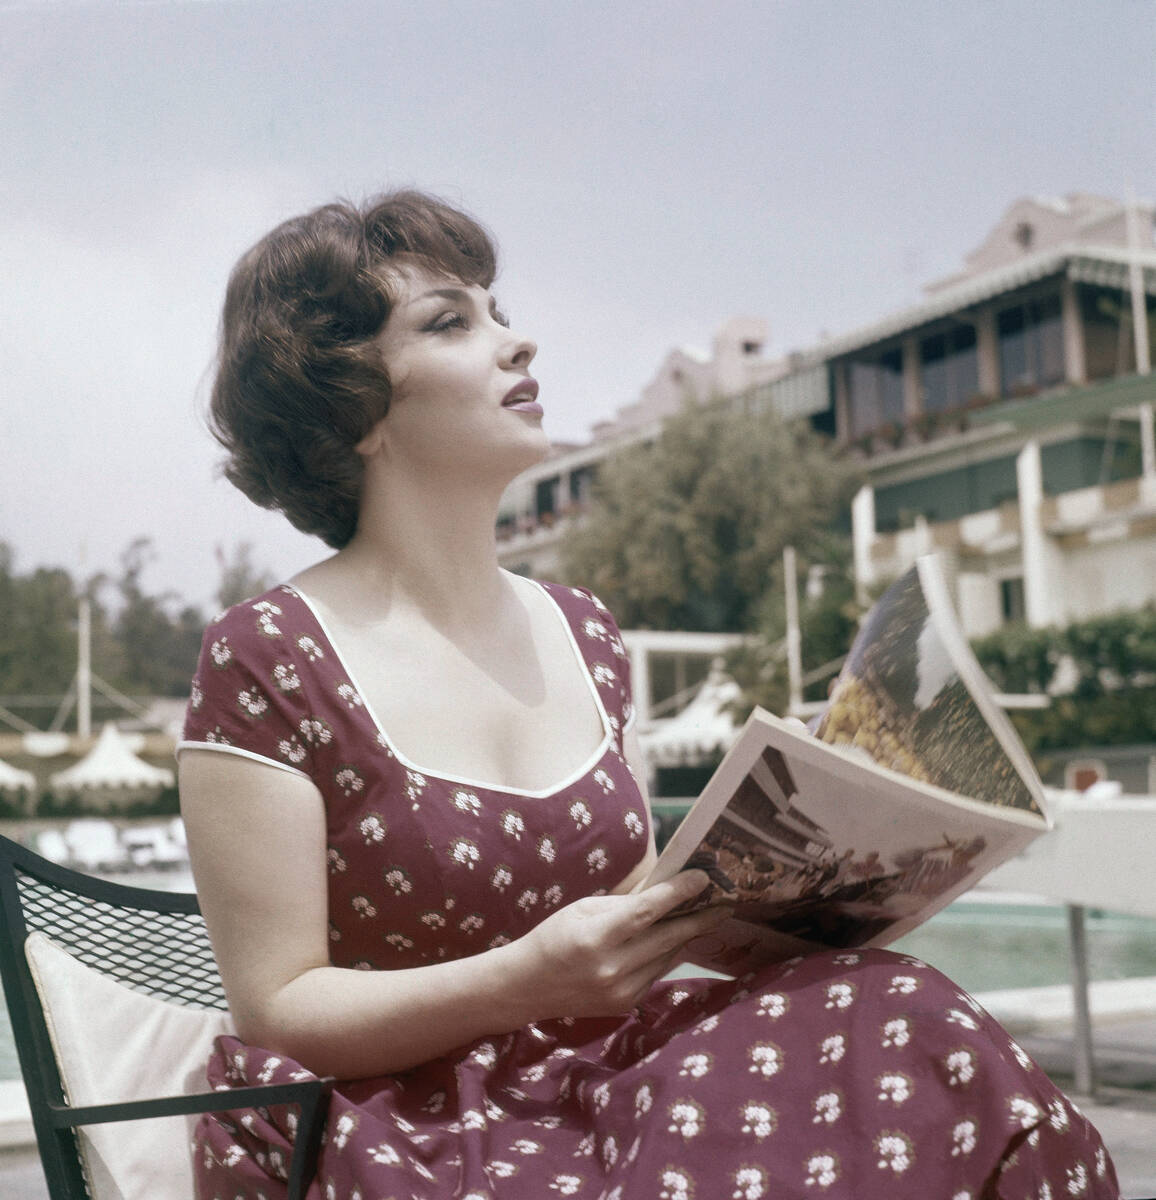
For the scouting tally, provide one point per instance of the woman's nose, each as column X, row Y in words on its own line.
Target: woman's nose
column 519, row 351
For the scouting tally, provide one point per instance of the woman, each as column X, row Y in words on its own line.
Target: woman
column 412, row 790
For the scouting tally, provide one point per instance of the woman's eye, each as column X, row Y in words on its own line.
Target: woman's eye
column 500, row 318
column 449, row 320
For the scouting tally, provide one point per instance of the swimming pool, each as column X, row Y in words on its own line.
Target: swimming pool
column 990, row 944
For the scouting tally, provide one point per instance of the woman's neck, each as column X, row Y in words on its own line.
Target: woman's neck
column 429, row 548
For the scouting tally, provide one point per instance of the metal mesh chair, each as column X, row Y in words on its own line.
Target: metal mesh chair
column 151, row 941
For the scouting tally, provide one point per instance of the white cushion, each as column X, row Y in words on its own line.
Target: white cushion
column 114, row 1044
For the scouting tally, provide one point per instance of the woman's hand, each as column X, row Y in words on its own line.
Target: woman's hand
column 599, row 955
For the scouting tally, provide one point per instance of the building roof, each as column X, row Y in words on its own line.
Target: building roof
column 1104, row 265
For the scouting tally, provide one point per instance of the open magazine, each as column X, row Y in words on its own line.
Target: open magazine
column 909, row 787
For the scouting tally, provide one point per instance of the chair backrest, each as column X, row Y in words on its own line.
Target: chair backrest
column 151, row 941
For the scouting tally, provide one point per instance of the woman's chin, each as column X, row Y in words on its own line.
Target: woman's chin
column 534, row 447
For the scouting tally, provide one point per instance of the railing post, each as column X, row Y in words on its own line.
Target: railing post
column 1083, row 1064
column 794, row 636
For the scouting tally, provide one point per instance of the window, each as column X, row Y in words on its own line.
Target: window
column 1024, row 234
column 1031, row 346
column 875, row 392
column 946, row 495
column 1011, row 598
column 1109, row 347
column 1090, row 461
column 581, row 485
column 949, row 365
column 546, row 498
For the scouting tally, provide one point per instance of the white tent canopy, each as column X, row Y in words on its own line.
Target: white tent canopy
column 12, row 779
column 111, row 764
column 703, row 731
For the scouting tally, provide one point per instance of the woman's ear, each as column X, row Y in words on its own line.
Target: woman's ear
column 372, row 442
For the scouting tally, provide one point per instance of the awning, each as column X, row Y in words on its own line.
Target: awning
column 110, row 764
column 701, row 733
column 1104, row 265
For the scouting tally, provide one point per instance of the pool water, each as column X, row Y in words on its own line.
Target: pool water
column 989, row 945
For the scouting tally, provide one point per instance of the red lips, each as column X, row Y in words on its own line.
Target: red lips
column 524, row 391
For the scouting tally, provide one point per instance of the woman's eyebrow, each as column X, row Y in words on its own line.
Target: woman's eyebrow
column 445, row 293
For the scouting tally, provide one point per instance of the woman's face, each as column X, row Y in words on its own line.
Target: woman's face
column 462, row 393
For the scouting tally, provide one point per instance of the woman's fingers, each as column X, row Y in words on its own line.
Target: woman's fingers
column 665, row 940
column 655, row 902
column 676, row 932
column 638, row 982
column 598, row 954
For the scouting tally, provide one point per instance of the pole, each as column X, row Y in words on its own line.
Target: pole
column 1147, row 440
column 1083, row 1064
column 1136, row 283
column 84, row 669
column 1140, row 330
column 794, row 636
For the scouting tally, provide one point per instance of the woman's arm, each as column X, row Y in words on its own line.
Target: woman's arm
column 257, row 844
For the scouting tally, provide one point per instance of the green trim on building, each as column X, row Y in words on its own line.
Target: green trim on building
column 1071, row 404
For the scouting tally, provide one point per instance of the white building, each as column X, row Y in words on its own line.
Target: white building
column 1005, row 421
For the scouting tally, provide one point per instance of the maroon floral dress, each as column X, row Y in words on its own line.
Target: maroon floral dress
column 850, row 1074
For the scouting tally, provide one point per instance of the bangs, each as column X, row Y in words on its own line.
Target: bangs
column 414, row 226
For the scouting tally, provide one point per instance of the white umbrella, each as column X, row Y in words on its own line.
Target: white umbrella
column 110, row 765
column 702, row 732
column 12, row 779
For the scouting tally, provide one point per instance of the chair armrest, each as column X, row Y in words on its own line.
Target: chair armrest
column 311, row 1094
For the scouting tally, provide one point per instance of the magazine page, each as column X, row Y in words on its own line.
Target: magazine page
column 902, row 698
column 977, row 683
column 819, row 849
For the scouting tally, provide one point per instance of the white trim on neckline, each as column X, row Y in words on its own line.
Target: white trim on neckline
column 534, row 794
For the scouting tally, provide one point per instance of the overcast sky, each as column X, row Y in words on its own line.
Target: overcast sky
column 649, row 169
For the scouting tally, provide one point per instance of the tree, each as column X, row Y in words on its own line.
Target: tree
column 138, row 646
column 240, row 579
column 38, row 629
column 156, row 654
column 686, row 532
column 1101, row 673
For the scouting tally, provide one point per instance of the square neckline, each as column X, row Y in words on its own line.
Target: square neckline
column 588, row 765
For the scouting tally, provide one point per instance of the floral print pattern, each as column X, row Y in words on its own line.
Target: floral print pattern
column 862, row 1074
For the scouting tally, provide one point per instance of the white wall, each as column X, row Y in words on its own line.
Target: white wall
column 978, row 603
column 1108, row 575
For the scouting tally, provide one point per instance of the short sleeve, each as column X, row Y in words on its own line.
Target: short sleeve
column 605, row 652
column 248, row 695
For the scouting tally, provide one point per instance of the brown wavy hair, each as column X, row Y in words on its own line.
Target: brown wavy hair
column 300, row 379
